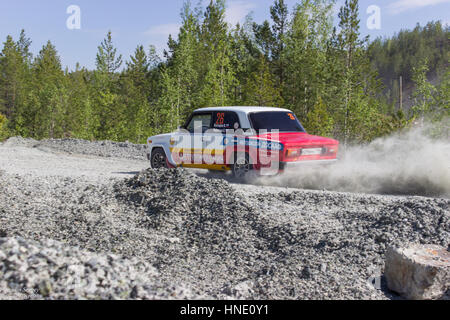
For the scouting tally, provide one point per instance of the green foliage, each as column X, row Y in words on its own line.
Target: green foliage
column 319, row 121
column 45, row 110
column 109, row 107
column 329, row 78
column 219, row 79
column 394, row 122
column 107, row 60
column 279, row 13
column 81, row 118
column 399, row 55
column 13, row 79
column 304, row 56
column 4, row 132
column 424, row 94
column 135, row 97
column 180, row 81
column 260, row 89
column 431, row 103
column 356, row 91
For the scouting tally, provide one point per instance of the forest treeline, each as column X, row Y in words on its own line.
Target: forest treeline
column 399, row 55
column 338, row 83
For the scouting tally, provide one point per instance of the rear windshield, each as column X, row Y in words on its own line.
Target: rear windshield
column 277, row 120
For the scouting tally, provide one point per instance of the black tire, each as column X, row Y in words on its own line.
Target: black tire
column 242, row 168
column 158, row 160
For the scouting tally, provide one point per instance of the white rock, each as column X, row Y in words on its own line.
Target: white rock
column 419, row 272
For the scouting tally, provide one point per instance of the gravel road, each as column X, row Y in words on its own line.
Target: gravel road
column 87, row 220
column 94, row 161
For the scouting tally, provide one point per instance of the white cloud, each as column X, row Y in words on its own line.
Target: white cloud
column 237, row 11
column 164, row 30
column 404, row 5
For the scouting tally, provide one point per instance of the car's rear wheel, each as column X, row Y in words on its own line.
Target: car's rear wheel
column 158, row 159
column 242, row 167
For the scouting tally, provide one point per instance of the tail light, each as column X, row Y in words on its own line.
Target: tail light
column 294, row 153
column 330, row 150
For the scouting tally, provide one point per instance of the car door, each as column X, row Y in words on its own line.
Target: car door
column 191, row 139
column 223, row 123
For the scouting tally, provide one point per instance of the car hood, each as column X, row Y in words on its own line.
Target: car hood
column 298, row 139
column 160, row 138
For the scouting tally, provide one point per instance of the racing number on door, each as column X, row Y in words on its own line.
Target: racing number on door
column 220, row 119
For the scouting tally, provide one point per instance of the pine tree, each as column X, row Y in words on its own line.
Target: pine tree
column 137, row 68
column 424, row 93
column 17, row 123
column 260, row 89
column 219, row 76
column 244, row 61
column 443, row 96
column 431, row 103
column 168, row 101
column 181, row 77
column 350, row 44
column 47, row 116
column 327, row 76
column 442, row 116
column 15, row 83
column 264, row 38
column 279, row 14
column 107, row 60
column 398, row 55
column 360, row 89
column 135, row 92
column 24, row 44
column 109, row 107
column 155, row 125
column 319, row 121
column 81, row 119
column 306, row 39
column 10, row 72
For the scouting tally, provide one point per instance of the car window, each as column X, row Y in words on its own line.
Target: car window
column 278, row 120
column 203, row 120
column 225, row 120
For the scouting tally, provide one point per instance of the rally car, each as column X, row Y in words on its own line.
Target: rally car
column 242, row 140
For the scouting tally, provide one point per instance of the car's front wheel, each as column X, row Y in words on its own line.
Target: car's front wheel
column 158, row 160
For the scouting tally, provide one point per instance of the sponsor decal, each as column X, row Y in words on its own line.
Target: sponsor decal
column 253, row 143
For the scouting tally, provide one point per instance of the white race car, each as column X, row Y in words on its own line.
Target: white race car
column 240, row 139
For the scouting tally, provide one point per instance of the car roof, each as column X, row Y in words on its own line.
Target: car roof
column 243, row 109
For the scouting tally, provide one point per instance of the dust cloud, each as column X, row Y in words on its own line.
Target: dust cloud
column 405, row 163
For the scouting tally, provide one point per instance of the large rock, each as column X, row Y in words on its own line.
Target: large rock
column 419, row 272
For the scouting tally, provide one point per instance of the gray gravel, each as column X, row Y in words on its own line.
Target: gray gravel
column 49, row 269
column 96, row 161
column 107, row 149
column 186, row 236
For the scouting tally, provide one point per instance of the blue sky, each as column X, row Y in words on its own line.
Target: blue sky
column 149, row 22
